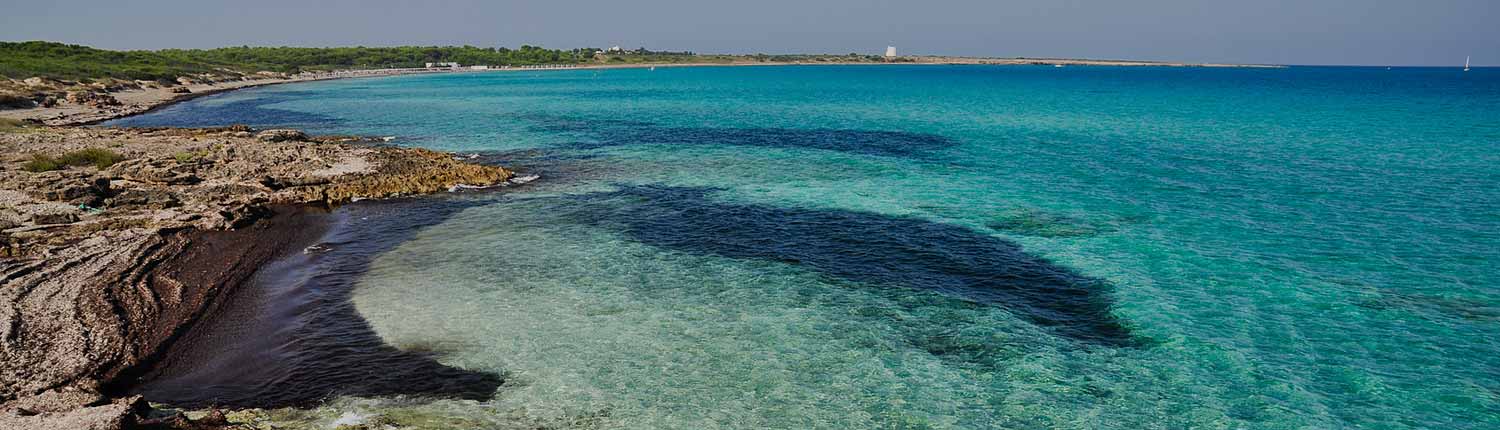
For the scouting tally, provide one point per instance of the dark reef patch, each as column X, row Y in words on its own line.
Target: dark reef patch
column 866, row 142
column 294, row 337
column 867, row 248
column 252, row 111
column 608, row 133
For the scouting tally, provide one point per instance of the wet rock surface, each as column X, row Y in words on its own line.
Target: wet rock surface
column 102, row 268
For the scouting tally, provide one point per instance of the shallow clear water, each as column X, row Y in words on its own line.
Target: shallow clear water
column 938, row 247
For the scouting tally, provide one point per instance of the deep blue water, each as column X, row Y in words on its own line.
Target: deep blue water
column 937, row 246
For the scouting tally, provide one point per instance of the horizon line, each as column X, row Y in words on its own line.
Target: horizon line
column 968, row 56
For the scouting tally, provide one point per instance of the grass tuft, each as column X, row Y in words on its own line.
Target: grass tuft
column 8, row 125
column 41, row 163
column 98, row 157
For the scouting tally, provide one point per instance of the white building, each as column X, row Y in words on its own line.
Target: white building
column 450, row 65
column 890, row 52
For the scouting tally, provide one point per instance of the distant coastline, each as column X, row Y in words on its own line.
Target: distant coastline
column 113, row 102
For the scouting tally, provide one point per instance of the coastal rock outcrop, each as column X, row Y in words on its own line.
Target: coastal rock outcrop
column 91, row 98
column 281, row 135
column 102, row 268
column 14, row 100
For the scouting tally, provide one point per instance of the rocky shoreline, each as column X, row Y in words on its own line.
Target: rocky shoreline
column 115, row 241
column 62, row 103
column 67, row 103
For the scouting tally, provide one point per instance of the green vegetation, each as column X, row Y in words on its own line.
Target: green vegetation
column 643, row 56
column 188, row 157
column 19, row 60
column 41, row 163
column 97, row 157
column 8, row 125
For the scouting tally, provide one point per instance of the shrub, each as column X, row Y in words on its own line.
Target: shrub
column 9, row 125
column 41, row 163
column 188, row 157
column 97, row 157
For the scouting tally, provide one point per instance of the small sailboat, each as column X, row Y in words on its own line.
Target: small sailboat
column 1466, row 63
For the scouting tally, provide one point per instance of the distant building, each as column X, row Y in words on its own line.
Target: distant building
column 449, row 65
column 615, row 49
column 890, row 52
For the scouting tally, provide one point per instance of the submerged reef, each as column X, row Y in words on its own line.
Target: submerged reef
column 869, row 248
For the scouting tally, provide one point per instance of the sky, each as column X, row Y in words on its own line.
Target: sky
column 1347, row 32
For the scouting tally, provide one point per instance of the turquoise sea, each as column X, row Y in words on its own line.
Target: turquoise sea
column 899, row 247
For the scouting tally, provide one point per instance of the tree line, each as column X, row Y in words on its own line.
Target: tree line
column 19, row 60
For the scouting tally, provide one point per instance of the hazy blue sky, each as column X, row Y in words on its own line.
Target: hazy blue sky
column 1403, row 32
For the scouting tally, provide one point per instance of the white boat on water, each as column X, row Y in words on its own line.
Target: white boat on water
column 1466, row 63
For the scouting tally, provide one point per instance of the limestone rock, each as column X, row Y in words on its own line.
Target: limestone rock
column 99, row 292
column 147, row 198
column 10, row 219
column 281, row 135
column 90, row 98
column 162, row 172
column 39, row 82
column 68, row 186
column 50, row 213
column 118, row 415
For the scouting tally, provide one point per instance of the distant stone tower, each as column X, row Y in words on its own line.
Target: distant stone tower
column 890, row 52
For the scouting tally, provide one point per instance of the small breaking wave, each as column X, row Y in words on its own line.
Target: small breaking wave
column 519, row 180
